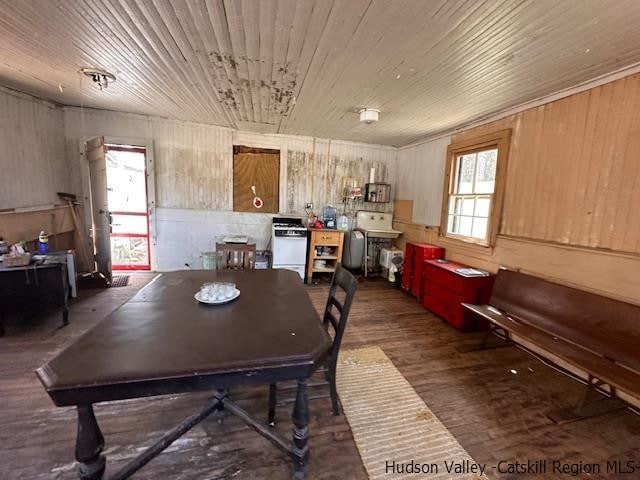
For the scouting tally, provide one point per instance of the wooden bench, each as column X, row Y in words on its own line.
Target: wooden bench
column 593, row 334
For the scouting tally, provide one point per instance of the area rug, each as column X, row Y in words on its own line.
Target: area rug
column 120, row 281
column 395, row 432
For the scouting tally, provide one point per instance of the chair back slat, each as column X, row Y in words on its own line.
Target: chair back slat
column 332, row 320
column 345, row 281
column 232, row 256
column 334, row 301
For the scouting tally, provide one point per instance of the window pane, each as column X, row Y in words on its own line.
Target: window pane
column 129, row 224
column 479, row 228
column 129, row 251
column 486, row 171
column 464, row 225
column 483, row 205
column 466, row 167
column 450, row 224
column 468, row 206
column 453, row 205
column 126, row 181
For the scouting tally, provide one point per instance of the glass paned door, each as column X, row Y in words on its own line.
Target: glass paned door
column 127, row 197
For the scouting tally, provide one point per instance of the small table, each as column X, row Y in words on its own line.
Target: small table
column 44, row 285
column 324, row 238
column 163, row 342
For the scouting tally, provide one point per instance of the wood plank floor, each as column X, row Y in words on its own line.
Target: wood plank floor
column 494, row 413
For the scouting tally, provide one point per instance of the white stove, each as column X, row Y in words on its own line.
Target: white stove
column 289, row 244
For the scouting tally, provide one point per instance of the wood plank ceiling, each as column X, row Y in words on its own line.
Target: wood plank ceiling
column 304, row 67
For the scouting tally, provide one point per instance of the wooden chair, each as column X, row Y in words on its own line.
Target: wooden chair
column 334, row 322
column 235, row 256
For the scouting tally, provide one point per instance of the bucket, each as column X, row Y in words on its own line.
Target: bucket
column 209, row 260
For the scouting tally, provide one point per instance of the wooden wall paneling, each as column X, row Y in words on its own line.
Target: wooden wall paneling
column 194, row 162
column 26, row 225
column 32, row 152
column 583, row 167
column 618, row 164
column 515, row 193
column 625, row 236
column 573, row 190
column 598, row 165
column 549, row 165
column 571, row 171
column 261, row 170
column 402, row 210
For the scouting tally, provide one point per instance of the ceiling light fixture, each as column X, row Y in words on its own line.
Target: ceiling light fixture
column 369, row 115
column 99, row 76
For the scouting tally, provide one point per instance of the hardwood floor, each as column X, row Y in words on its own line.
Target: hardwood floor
column 494, row 413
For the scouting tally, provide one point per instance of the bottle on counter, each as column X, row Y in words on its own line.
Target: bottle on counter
column 43, row 243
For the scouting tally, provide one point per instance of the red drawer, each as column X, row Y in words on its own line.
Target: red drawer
column 443, row 293
column 452, row 313
column 422, row 252
column 444, row 277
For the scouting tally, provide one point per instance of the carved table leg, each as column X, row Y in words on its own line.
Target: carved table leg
column 65, row 315
column 273, row 392
column 89, row 444
column 300, row 431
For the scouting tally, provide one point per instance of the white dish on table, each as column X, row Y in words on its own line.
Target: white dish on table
column 199, row 297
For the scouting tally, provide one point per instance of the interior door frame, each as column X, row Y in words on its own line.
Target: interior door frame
column 147, row 144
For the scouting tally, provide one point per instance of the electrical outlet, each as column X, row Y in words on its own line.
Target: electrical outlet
column 309, row 206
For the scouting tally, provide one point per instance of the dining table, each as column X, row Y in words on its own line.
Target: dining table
column 163, row 342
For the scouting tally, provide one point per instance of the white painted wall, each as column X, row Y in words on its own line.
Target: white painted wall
column 421, row 178
column 194, row 176
column 33, row 164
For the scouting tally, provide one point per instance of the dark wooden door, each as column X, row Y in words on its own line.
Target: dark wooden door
column 261, row 170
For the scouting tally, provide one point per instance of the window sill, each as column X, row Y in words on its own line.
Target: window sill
column 478, row 245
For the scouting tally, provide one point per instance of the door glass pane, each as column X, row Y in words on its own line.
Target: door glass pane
column 466, row 167
column 483, row 205
column 129, row 251
column 479, row 228
column 486, row 171
column 126, row 181
column 129, row 224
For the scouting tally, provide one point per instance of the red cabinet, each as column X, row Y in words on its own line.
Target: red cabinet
column 445, row 289
column 414, row 256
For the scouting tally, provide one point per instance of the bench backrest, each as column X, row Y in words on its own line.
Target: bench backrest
column 608, row 327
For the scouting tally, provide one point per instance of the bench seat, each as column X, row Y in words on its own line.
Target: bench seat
column 596, row 365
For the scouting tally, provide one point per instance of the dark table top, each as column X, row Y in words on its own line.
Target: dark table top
column 163, row 335
column 31, row 266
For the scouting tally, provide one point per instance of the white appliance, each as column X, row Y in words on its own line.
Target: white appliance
column 387, row 255
column 375, row 226
column 289, row 244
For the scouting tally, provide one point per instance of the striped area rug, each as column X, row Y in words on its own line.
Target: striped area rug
column 391, row 423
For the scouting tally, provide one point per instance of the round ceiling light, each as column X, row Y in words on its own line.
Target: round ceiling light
column 369, row 115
